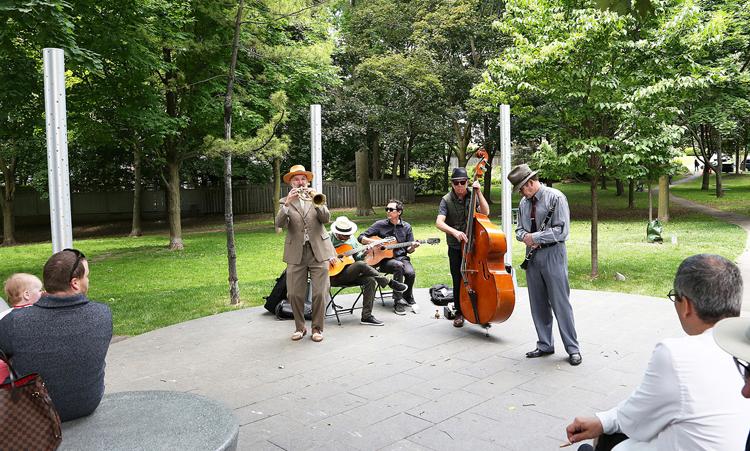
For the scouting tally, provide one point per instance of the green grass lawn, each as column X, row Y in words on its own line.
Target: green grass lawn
column 736, row 197
column 149, row 287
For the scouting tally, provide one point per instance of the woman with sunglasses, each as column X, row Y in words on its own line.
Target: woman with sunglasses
column 452, row 217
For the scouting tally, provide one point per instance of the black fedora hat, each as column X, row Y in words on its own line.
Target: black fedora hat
column 459, row 173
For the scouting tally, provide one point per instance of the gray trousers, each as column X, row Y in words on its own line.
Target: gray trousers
column 549, row 291
column 296, row 287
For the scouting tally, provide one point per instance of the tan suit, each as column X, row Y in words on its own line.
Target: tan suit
column 302, row 256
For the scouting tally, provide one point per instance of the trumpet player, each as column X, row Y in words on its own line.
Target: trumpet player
column 307, row 249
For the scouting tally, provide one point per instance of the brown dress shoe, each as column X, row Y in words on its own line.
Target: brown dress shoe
column 458, row 321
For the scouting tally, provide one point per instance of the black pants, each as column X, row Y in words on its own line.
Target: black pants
column 402, row 271
column 454, row 260
column 359, row 273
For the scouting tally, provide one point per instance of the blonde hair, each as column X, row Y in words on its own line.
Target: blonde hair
column 17, row 284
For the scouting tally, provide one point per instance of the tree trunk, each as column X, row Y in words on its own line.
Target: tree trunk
column 276, row 188
column 462, row 134
column 594, row 228
column 395, row 164
column 9, row 223
column 173, row 160
column 8, row 198
column 135, row 228
column 706, row 181
column 631, row 194
column 604, row 182
column 364, row 201
column 373, row 141
column 446, row 167
column 650, row 202
column 173, row 206
column 234, row 287
column 663, row 199
column 716, row 142
column 620, row 187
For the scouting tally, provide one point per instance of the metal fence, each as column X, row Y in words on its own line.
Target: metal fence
column 31, row 207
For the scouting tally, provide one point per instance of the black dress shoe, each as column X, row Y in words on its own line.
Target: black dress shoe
column 575, row 359
column 538, row 353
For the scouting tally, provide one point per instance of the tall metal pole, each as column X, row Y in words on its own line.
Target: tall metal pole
column 507, row 191
column 316, row 147
column 57, row 149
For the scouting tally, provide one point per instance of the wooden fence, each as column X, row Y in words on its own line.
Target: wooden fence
column 31, row 207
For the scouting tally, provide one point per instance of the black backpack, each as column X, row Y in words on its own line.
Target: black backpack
column 277, row 302
column 278, row 294
column 441, row 294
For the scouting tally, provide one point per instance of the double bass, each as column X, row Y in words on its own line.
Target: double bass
column 487, row 293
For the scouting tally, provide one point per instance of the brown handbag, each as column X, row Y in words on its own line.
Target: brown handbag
column 28, row 417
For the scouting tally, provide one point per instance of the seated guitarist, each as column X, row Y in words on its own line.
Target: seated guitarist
column 359, row 272
column 400, row 265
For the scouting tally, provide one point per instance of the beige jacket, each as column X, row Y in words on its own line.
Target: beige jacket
column 295, row 221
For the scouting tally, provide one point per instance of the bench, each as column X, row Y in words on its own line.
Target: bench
column 153, row 420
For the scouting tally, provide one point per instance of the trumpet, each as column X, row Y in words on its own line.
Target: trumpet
column 307, row 194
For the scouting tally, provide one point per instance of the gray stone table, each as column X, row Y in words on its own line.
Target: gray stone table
column 153, row 420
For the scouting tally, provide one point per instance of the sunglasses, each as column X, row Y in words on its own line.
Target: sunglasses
column 459, row 182
column 79, row 256
column 389, row 209
column 673, row 296
column 742, row 367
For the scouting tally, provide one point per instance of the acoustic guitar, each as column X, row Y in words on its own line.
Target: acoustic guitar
column 381, row 252
column 345, row 254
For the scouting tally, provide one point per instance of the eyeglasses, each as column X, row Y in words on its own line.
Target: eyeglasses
column 674, row 296
column 459, row 182
column 742, row 367
column 79, row 257
column 389, row 209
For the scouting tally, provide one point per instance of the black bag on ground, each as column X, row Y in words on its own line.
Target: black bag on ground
column 441, row 294
column 284, row 308
column 278, row 294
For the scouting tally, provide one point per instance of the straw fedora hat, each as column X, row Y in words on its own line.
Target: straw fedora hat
column 297, row 169
column 733, row 336
column 343, row 226
column 520, row 175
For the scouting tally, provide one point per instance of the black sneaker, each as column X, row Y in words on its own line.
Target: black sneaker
column 398, row 308
column 397, row 286
column 371, row 321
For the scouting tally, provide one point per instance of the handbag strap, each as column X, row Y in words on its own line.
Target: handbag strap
column 11, row 372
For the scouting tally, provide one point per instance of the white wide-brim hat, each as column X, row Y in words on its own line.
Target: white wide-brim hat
column 343, row 226
column 733, row 336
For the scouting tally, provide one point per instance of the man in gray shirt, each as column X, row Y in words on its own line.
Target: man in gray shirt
column 547, row 271
column 64, row 337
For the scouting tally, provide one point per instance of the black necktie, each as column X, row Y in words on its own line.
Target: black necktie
column 533, row 215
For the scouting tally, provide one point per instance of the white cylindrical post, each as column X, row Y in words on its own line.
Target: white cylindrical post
column 57, row 149
column 507, row 191
column 316, row 148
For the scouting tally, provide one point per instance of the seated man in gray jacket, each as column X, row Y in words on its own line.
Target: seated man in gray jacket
column 64, row 337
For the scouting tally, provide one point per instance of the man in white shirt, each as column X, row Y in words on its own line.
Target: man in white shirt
column 688, row 398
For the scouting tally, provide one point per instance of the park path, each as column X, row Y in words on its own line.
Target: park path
column 743, row 261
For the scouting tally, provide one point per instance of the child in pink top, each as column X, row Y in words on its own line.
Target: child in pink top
column 21, row 290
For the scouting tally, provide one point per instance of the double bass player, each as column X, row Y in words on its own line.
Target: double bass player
column 452, row 218
column 547, row 271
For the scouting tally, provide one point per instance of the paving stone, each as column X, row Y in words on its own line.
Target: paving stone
column 402, row 386
column 385, row 386
column 386, row 432
column 446, row 406
column 438, row 387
